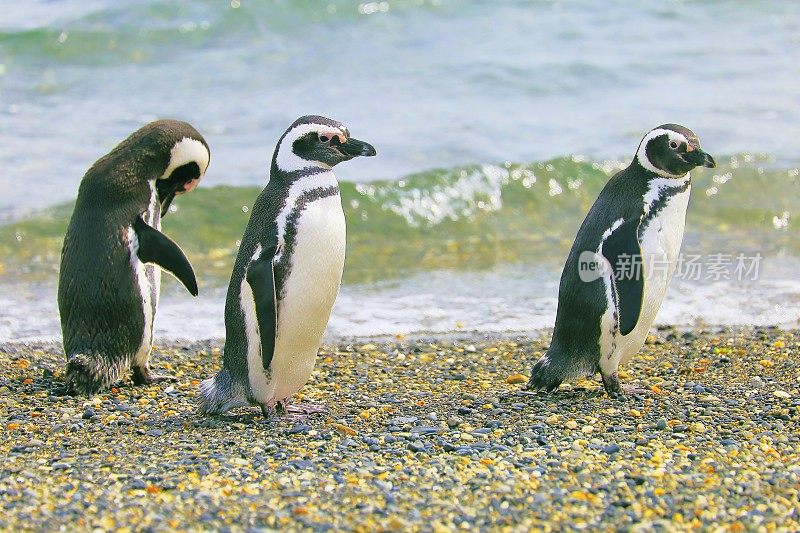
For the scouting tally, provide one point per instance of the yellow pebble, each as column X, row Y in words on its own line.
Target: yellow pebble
column 515, row 379
column 341, row 428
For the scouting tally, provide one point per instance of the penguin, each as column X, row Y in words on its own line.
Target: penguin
column 287, row 272
column 108, row 284
column 621, row 263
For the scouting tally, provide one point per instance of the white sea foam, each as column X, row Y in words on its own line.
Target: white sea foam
column 506, row 300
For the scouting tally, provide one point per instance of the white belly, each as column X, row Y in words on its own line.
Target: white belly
column 660, row 244
column 308, row 295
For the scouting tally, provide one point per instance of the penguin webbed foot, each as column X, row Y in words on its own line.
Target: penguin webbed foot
column 612, row 385
column 283, row 409
column 541, row 385
column 306, row 409
column 269, row 412
column 273, row 410
column 143, row 376
column 617, row 391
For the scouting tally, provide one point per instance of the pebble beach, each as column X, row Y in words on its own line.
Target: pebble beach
column 496, row 125
column 417, row 435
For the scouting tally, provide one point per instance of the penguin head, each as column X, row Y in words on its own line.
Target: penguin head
column 317, row 142
column 671, row 151
column 188, row 159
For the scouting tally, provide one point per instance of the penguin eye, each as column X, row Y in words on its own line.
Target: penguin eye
column 674, row 145
column 324, row 138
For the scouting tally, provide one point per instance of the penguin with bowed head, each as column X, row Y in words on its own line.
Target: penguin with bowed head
column 109, row 285
column 621, row 263
column 287, row 272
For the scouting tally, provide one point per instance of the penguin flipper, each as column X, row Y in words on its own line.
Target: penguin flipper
column 157, row 248
column 261, row 278
column 624, row 253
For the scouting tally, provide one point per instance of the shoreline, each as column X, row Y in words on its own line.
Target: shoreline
column 54, row 343
column 418, row 434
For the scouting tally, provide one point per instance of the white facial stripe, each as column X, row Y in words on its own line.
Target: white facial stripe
column 185, row 151
column 641, row 152
column 288, row 161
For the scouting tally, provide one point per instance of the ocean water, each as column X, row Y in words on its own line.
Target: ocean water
column 496, row 124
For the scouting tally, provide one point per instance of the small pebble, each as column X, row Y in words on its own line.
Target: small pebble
column 301, row 429
column 611, row 448
column 416, row 446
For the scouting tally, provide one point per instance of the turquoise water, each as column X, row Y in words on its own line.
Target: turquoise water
column 496, row 123
column 432, row 84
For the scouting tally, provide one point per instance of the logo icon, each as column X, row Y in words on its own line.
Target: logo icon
column 592, row 266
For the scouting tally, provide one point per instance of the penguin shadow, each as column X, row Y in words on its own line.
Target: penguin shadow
column 253, row 418
column 290, row 415
column 576, row 393
column 50, row 381
column 56, row 385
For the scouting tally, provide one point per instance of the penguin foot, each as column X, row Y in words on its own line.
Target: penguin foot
column 269, row 412
column 143, row 376
column 637, row 394
column 306, row 409
column 273, row 409
column 282, row 409
column 612, row 385
column 618, row 391
column 285, row 407
column 281, row 406
column 633, row 390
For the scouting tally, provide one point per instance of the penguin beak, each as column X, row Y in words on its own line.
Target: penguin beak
column 356, row 148
column 165, row 203
column 700, row 158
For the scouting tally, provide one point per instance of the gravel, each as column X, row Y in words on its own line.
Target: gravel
column 712, row 442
